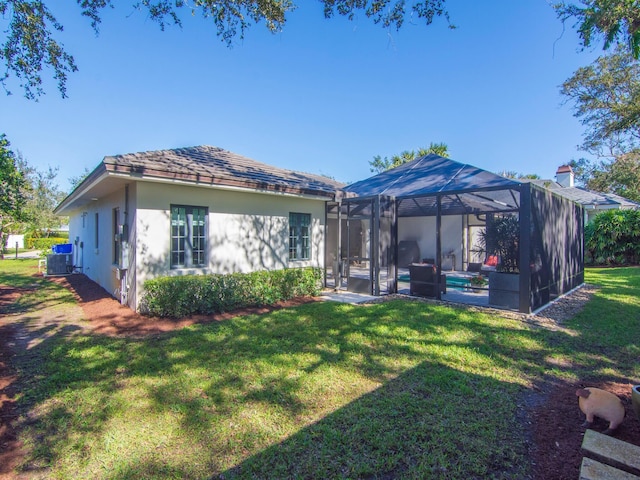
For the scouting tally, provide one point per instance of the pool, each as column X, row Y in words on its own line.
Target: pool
column 457, row 283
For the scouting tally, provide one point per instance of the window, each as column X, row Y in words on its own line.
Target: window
column 188, row 236
column 97, row 233
column 116, row 236
column 299, row 242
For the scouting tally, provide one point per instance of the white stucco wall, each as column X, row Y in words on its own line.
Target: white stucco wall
column 423, row 231
column 247, row 231
column 94, row 255
column 12, row 239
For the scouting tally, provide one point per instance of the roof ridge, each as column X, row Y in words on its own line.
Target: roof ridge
column 216, row 165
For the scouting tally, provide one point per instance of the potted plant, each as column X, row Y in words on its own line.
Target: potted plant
column 501, row 237
column 478, row 281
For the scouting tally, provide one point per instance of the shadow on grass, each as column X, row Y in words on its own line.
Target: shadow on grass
column 429, row 422
column 36, row 294
column 386, row 388
column 400, row 389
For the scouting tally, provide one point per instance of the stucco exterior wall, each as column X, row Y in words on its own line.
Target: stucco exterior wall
column 246, row 231
column 93, row 244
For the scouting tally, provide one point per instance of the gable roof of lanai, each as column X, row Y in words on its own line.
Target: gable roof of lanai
column 462, row 188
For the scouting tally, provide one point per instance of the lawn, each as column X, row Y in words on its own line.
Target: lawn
column 323, row 390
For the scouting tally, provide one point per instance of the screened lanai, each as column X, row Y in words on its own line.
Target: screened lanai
column 424, row 227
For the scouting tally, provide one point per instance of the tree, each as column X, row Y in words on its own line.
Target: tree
column 78, row 179
column 31, row 42
column 42, row 197
column 620, row 176
column 606, row 95
column 519, row 176
column 618, row 21
column 379, row 164
column 582, row 170
column 12, row 185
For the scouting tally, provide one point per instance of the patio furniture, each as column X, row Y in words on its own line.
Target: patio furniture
column 422, row 280
column 474, row 267
column 490, row 264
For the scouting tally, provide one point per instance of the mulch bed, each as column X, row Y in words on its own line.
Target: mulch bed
column 551, row 412
column 108, row 317
column 557, row 432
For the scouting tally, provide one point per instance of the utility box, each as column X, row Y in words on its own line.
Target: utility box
column 123, row 263
column 59, row 264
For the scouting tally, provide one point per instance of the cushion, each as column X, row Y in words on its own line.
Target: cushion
column 491, row 261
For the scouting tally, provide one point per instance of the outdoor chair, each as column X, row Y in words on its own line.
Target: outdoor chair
column 422, row 280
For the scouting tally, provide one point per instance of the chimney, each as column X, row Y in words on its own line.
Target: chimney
column 565, row 176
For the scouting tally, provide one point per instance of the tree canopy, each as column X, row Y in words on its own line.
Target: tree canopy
column 12, row 185
column 76, row 180
column 620, row 176
column 519, row 176
column 41, row 198
column 606, row 97
column 379, row 164
column 615, row 21
column 30, row 39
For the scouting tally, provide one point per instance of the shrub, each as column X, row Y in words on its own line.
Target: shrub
column 613, row 238
column 179, row 296
column 44, row 243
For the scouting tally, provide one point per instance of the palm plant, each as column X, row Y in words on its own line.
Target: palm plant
column 501, row 237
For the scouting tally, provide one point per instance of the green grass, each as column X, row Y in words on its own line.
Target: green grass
column 608, row 340
column 36, row 291
column 325, row 390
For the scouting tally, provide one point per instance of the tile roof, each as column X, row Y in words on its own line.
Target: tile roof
column 215, row 166
column 586, row 197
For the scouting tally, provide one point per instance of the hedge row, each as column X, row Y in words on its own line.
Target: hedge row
column 44, row 243
column 179, row 296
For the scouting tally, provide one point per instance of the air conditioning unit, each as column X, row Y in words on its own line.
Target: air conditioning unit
column 59, row 264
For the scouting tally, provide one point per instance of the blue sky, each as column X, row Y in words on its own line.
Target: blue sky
column 323, row 96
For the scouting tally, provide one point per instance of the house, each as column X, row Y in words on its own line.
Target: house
column 192, row 210
column 592, row 202
column 206, row 210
